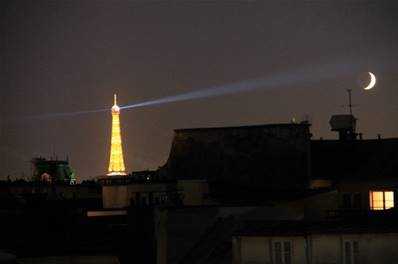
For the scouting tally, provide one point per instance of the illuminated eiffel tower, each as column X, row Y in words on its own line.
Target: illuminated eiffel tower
column 116, row 161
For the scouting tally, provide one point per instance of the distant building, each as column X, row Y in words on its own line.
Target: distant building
column 52, row 171
column 143, row 188
column 52, row 180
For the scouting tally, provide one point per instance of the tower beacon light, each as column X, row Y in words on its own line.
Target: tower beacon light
column 116, row 161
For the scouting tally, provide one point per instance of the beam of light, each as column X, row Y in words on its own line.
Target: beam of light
column 66, row 114
column 304, row 75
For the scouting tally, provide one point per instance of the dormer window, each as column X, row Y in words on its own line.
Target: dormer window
column 381, row 200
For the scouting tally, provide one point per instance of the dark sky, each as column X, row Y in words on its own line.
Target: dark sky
column 65, row 56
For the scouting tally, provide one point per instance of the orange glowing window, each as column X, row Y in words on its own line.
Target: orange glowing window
column 381, row 200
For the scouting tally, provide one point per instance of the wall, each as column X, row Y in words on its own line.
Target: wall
column 256, row 250
column 114, row 196
column 376, row 248
column 119, row 196
column 379, row 248
column 325, row 249
column 316, row 207
column 194, row 191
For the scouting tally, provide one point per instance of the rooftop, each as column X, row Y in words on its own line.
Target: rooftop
column 369, row 224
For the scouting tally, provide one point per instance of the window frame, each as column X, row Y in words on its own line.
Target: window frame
column 354, row 251
column 282, row 242
column 383, row 191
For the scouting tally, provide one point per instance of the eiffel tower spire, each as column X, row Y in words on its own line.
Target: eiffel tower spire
column 116, row 161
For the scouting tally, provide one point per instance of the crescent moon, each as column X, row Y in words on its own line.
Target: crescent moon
column 372, row 82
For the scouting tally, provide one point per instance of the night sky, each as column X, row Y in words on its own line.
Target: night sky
column 66, row 56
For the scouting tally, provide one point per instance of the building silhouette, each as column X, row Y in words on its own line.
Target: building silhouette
column 57, row 171
column 247, row 194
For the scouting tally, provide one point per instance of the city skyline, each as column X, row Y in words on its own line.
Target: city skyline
column 73, row 56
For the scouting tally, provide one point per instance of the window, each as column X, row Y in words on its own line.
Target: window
column 381, row 200
column 282, row 252
column 346, row 200
column 356, row 200
column 351, row 201
column 350, row 252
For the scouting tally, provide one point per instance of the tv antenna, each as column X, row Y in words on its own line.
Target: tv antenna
column 350, row 105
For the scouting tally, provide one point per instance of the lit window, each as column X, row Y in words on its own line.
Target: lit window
column 381, row 200
column 282, row 252
column 351, row 252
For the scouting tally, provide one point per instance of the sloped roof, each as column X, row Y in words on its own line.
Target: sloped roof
column 247, row 157
column 358, row 225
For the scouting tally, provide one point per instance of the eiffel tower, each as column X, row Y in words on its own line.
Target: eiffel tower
column 116, row 161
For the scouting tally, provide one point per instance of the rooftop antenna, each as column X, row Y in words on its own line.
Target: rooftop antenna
column 350, row 105
column 349, row 100
column 345, row 125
